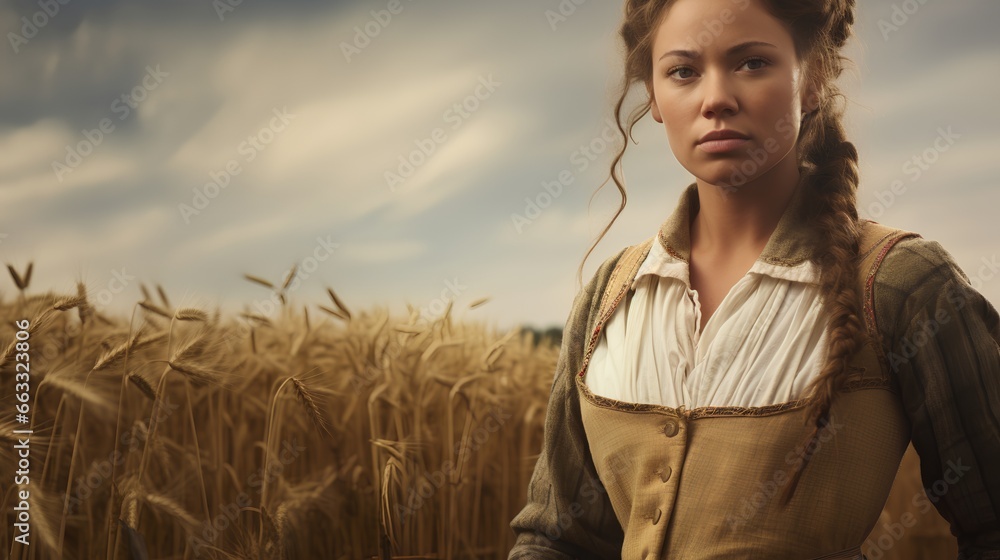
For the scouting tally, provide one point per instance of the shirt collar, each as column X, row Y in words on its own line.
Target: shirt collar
column 788, row 254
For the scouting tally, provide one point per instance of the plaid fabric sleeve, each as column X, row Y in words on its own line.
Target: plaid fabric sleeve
column 942, row 342
column 568, row 514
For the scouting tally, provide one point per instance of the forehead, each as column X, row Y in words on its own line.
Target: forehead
column 710, row 26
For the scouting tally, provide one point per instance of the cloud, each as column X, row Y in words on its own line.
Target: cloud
column 30, row 152
column 233, row 235
column 122, row 238
column 30, row 147
column 379, row 252
column 919, row 91
column 458, row 163
column 324, row 173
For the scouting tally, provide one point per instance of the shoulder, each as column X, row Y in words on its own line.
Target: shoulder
column 591, row 293
column 914, row 262
column 614, row 269
column 581, row 321
column 912, row 276
column 615, row 266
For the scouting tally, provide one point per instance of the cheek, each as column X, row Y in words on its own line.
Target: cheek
column 773, row 113
column 678, row 115
column 674, row 141
column 674, row 125
column 778, row 99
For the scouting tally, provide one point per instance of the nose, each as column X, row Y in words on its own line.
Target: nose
column 720, row 99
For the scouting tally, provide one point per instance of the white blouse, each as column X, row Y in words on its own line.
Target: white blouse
column 763, row 344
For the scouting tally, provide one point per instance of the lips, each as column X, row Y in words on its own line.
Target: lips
column 724, row 134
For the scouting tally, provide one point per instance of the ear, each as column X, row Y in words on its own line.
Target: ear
column 652, row 105
column 812, row 94
column 811, row 100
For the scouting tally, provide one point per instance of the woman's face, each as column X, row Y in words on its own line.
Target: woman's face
column 727, row 64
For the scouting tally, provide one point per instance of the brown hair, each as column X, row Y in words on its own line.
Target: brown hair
column 819, row 28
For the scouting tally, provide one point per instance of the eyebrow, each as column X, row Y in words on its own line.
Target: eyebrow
column 730, row 51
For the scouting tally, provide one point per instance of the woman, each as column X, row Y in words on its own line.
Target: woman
column 744, row 383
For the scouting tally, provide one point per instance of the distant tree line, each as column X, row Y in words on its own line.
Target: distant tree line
column 551, row 335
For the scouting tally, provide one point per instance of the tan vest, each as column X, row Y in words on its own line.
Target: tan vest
column 703, row 483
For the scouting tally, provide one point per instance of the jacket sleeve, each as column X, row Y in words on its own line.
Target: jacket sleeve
column 942, row 343
column 568, row 514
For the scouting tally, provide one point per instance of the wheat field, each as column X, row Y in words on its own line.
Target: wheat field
column 318, row 432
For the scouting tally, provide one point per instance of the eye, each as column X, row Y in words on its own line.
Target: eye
column 676, row 69
column 755, row 59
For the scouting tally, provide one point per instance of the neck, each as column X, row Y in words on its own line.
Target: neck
column 732, row 221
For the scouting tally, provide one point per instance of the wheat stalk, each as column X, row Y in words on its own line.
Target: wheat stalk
column 80, row 390
column 478, row 302
column 340, row 305
column 259, row 318
column 334, row 312
column 19, row 281
column 85, row 310
column 308, row 400
column 190, row 314
column 258, row 280
column 198, row 374
column 152, row 307
column 163, row 296
column 193, row 348
column 67, row 303
column 165, row 505
column 288, row 277
column 36, row 326
column 143, row 385
column 137, row 341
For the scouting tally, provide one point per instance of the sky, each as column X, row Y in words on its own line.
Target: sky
column 387, row 153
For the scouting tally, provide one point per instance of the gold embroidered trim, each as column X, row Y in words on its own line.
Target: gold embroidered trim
column 855, row 384
column 869, row 296
column 670, row 250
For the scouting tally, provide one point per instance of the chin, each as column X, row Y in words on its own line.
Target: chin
column 735, row 172
column 724, row 174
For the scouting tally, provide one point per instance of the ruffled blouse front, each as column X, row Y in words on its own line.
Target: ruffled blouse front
column 763, row 345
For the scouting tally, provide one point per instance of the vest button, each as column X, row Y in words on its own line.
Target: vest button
column 665, row 473
column 656, row 516
column 670, row 428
